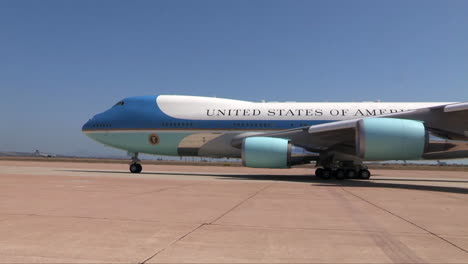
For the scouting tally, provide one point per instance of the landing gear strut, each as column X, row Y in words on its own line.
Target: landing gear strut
column 135, row 166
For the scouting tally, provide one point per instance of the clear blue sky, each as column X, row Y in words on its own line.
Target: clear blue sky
column 63, row 61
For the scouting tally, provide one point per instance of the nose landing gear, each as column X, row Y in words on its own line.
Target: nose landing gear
column 135, row 166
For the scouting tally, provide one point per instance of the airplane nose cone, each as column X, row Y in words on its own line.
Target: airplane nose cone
column 86, row 126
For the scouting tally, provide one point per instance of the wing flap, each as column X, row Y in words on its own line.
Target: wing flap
column 456, row 107
column 338, row 125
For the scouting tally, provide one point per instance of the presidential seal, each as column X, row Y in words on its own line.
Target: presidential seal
column 153, row 139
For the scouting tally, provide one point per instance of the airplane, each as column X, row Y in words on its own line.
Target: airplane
column 45, row 155
column 339, row 137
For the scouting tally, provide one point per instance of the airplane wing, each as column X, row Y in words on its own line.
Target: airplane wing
column 446, row 121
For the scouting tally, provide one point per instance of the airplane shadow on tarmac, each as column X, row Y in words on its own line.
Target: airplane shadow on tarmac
column 373, row 183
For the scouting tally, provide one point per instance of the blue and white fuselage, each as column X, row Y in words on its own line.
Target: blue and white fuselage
column 206, row 126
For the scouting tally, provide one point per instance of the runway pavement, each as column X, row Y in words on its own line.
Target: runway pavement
column 93, row 213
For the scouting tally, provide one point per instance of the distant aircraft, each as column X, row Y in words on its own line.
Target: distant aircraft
column 338, row 136
column 441, row 163
column 46, row 155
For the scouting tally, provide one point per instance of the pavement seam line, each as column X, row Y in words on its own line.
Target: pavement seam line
column 392, row 247
column 406, row 220
column 90, row 218
column 210, row 223
column 173, row 242
column 132, row 195
column 160, row 190
column 241, row 202
column 312, row 229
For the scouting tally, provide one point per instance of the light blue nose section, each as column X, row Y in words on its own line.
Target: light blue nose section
column 143, row 142
column 133, row 125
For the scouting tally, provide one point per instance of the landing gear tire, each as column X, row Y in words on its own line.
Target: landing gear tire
column 327, row 173
column 340, row 174
column 319, row 173
column 135, row 168
column 364, row 174
column 350, row 174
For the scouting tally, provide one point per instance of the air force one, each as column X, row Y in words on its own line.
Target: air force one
column 337, row 136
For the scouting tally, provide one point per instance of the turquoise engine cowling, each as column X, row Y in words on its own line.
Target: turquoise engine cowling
column 266, row 152
column 390, row 139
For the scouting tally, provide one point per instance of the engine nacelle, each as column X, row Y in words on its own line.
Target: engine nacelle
column 390, row 139
column 266, row 152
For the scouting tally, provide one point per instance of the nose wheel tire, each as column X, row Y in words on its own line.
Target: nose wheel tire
column 135, row 168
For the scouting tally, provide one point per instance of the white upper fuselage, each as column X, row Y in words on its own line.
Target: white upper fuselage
column 208, row 108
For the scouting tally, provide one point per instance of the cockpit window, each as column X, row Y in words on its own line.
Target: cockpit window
column 119, row 103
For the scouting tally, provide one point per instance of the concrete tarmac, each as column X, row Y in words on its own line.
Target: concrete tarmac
column 100, row 213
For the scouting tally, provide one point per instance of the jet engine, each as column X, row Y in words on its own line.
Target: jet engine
column 266, row 152
column 390, row 139
column 270, row 152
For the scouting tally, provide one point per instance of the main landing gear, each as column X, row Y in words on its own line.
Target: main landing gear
column 343, row 173
column 135, row 166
